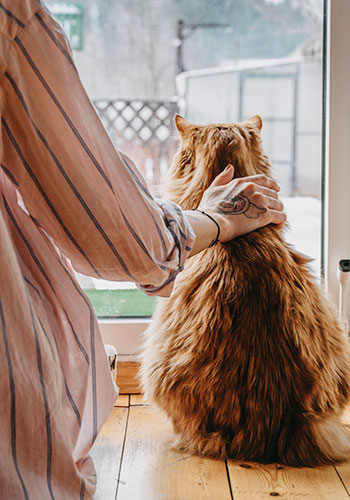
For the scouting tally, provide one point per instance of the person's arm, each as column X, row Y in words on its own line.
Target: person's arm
column 89, row 197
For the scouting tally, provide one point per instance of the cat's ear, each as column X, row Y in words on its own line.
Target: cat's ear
column 256, row 122
column 182, row 124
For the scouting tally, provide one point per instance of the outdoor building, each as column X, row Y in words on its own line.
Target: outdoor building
column 286, row 93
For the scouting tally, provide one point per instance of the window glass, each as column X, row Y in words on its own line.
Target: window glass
column 142, row 61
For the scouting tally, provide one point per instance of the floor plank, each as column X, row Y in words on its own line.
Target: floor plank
column 260, row 482
column 344, row 469
column 107, row 451
column 344, row 473
column 137, row 400
column 123, row 400
column 152, row 471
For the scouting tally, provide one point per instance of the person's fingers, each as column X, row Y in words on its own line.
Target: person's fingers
column 260, row 180
column 275, row 204
column 225, row 177
column 277, row 217
column 263, row 180
column 270, row 193
column 263, row 201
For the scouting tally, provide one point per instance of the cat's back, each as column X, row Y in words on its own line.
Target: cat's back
column 255, row 294
column 253, row 271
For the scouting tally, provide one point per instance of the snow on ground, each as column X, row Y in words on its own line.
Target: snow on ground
column 303, row 232
column 304, row 227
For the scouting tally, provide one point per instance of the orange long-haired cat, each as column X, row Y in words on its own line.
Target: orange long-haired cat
column 246, row 357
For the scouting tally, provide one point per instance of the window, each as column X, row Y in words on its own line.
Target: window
column 143, row 61
column 70, row 15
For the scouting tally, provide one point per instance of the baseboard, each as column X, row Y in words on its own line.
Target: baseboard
column 125, row 334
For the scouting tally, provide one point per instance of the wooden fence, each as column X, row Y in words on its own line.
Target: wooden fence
column 144, row 130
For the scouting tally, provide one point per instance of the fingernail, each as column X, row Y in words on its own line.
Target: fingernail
column 228, row 167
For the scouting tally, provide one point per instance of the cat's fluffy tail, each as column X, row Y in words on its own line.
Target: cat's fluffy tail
column 321, row 442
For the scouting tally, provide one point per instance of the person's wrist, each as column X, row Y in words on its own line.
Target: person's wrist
column 227, row 232
column 216, row 240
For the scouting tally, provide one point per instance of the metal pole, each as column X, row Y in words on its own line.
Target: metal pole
column 240, row 101
column 179, row 49
column 294, row 132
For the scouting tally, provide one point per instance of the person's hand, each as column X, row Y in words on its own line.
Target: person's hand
column 242, row 205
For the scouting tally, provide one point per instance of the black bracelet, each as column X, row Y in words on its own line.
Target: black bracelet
column 214, row 242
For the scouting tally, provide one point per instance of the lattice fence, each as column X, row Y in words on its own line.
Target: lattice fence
column 144, row 130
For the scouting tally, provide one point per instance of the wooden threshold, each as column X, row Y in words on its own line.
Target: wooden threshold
column 128, row 377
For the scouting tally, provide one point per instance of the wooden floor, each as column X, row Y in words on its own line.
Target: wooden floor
column 134, row 462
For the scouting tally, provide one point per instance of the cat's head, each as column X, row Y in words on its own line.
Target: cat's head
column 205, row 152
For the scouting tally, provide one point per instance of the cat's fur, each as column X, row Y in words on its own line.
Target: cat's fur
column 247, row 356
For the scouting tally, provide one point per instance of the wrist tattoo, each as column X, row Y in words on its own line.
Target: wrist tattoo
column 238, row 205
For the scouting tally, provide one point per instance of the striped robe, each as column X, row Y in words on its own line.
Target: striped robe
column 65, row 193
